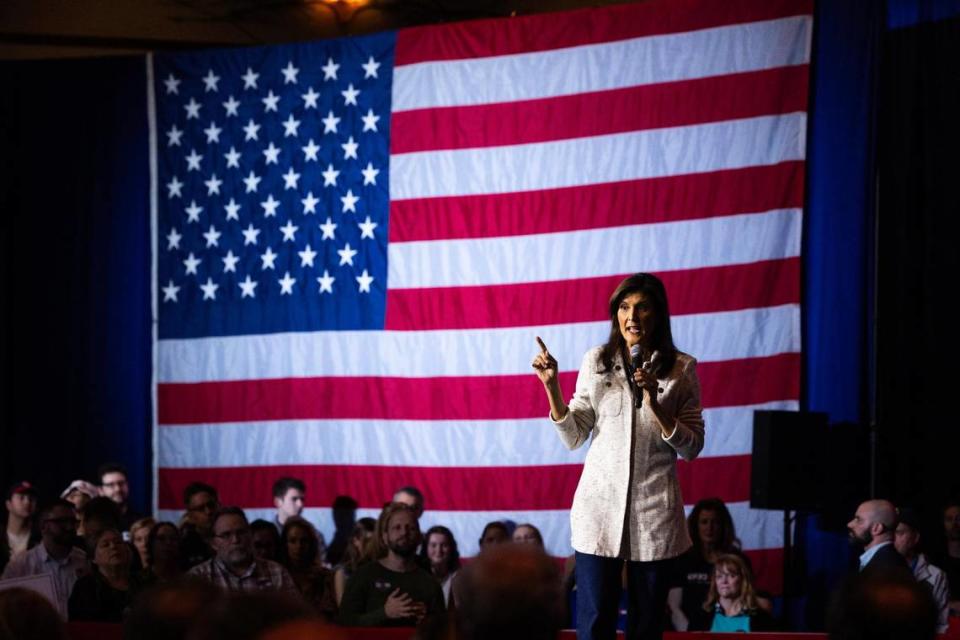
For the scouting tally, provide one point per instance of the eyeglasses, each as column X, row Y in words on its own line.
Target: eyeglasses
column 236, row 534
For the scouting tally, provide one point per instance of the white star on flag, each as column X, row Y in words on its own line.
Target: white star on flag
column 251, row 130
column 213, row 132
column 271, row 154
column 310, row 151
column 210, row 289
column 267, row 258
column 172, row 85
column 232, row 209
column 193, row 109
column 173, row 188
column 364, row 281
column 370, row 174
column 350, row 149
column 213, row 184
column 326, row 282
column 290, row 73
column 193, row 212
column 286, row 284
column 330, row 123
column 370, row 121
column 270, row 102
column 250, row 235
column 270, row 206
column 173, row 136
column 290, row 179
column 247, row 287
column 252, row 181
column 233, row 158
column 250, row 79
column 210, row 81
column 370, row 68
column 290, row 126
column 350, row 95
column 330, row 70
column 230, row 262
column 213, row 237
column 346, row 255
column 289, row 231
column 328, row 228
column 310, row 203
column 231, row 105
column 193, row 161
column 191, row 263
column 310, row 99
column 170, row 292
column 349, row 201
column 173, row 239
column 330, row 176
column 307, row 256
column 366, row 228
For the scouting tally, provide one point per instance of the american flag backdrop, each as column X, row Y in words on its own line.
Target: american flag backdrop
column 357, row 240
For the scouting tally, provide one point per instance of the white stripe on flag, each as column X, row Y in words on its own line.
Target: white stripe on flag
column 436, row 443
column 729, row 335
column 756, row 529
column 668, row 246
column 625, row 63
column 653, row 153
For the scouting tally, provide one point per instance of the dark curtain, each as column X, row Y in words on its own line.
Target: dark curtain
column 75, row 283
column 919, row 263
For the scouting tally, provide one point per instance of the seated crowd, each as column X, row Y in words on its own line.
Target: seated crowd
column 102, row 557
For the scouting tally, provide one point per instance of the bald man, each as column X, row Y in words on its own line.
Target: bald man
column 873, row 526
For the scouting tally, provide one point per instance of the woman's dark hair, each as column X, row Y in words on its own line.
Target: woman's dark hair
column 353, row 557
column 662, row 338
column 453, row 562
column 313, row 548
column 728, row 533
column 152, row 539
column 496, row 524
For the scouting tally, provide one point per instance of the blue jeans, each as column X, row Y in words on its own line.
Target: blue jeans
column 598, row 594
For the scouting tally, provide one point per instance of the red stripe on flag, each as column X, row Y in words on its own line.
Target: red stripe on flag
column 728, row 288
column 683, row 197
column 768, row 569
column 449, row 488
column 743, row 95
column 729, row 383
column 497, row 37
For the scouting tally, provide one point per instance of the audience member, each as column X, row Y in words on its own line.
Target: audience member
column 344, row 518
column 443, row 557
column 299, row 553
column 164, row 562
column 196, row 529
column 494, row 533
column 266, row 540
column 55, row 554
column 359, row 551
column 170, row 610
column 98, row 514
column 139, row 531
column 21, row 532
column 510, row 592
column 885, row 603
column 289, row 495
column 907, row 542
column 873, row 527
column 234, row 567
column 412, row 497
column 26, row 615
column 249, row 616
column 393, row 590
column 948, row 557
column 732, row 601
column 713, row 534
column 80, row 492
column 528, row 534
column 105, row 594
column 115, row 486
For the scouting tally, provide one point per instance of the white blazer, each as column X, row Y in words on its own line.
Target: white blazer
column 630, row 471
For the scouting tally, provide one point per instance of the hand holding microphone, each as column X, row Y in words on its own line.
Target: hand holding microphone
column 643, row 374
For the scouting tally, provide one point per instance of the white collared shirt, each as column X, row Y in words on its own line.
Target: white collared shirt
column 867, row 555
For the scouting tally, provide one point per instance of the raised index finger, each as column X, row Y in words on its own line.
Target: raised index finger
column 543, row 347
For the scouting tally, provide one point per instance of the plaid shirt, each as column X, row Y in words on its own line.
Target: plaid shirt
column 261, row 575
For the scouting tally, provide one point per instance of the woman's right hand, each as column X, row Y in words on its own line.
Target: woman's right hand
column 545, row 365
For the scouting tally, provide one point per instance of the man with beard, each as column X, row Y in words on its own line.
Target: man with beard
column 394, row 590
column 873, row 526
column 55, row 555
column 235, row 567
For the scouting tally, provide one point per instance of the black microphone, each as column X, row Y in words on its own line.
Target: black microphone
column 635, row 364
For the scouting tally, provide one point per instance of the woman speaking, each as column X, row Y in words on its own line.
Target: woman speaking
column 640, row 399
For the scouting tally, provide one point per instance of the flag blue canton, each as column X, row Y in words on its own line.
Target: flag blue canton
column 273, row 193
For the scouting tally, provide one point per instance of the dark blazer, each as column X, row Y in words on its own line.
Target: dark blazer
column 886, row 558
